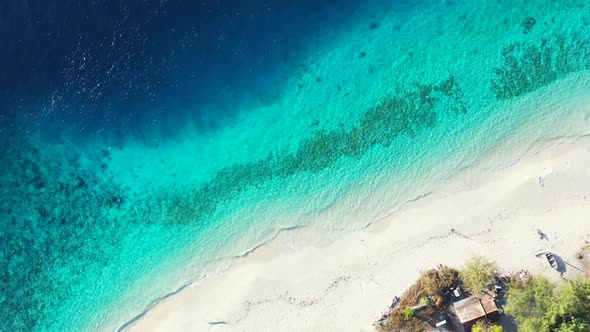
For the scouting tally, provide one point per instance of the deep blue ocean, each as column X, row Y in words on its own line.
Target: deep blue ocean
column 146, row 144
column 103, row 68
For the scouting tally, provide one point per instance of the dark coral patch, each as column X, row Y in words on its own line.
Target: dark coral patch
column 527, row 67
column 401, row 113
column 527, row 24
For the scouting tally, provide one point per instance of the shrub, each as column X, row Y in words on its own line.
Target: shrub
column 482, row 326
column 437, row 281
column 408, row 313
column 478, row 271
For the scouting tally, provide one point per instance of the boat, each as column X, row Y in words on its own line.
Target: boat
column 552, row 261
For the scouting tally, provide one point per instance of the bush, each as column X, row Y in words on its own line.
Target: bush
column 482, row 326
column 437, row 281
column 408, row 313
column 477, row 273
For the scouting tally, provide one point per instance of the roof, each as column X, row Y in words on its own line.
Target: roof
column 488, row 304
column 473, row 308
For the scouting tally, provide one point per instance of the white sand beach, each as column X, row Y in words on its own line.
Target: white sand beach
column 302, row 282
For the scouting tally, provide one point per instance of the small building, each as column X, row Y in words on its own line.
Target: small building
column 475, row 308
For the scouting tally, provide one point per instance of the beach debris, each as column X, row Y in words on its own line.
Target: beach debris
column 541, row 182
column 381, row 320
column 459, row 234
column 217, row 322
column 441, row 323
column 523, row 275
column 419, row 306
column 449, row 233
column 338, row 281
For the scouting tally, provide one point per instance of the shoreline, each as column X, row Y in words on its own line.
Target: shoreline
column 303, row 205
column 215, row 302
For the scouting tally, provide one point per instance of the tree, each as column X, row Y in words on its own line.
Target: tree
column 570, row 309
column 528, row 302
column 482, row 326
column 476, row 274
column 575, row 325
column 538, row 306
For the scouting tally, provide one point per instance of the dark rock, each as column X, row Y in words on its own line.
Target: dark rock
column 527, row 24
column 115, row 200
column 42, row 212
column 217, row 323
column 79, row 183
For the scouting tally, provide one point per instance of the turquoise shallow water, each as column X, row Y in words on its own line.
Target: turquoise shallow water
column 374, row 113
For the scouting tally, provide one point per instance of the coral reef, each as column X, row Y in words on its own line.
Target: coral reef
column 529, row 67
column 402, row 113
column 527, row 24
column 56, row 223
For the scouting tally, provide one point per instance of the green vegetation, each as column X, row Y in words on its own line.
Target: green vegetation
column 437, row 281
column 477, row 273
column 536, row 304
column 408, row 313
column 529, row 67
column 540, row 306
column 482, row 326
column 424, row 300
